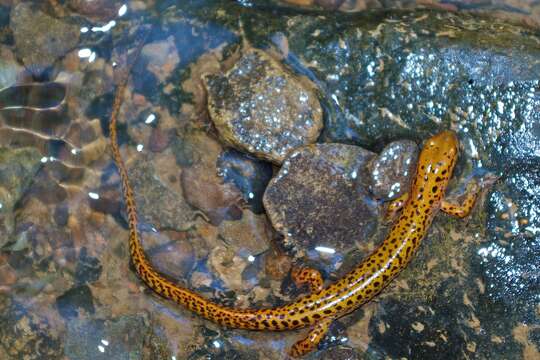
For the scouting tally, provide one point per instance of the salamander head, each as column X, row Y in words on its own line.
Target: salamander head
column 440, row 150
column 436, row 163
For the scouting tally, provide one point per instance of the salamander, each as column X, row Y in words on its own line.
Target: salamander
column 322, row 305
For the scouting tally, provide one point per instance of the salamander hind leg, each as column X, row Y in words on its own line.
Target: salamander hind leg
column 308, row 276
column 313, row 338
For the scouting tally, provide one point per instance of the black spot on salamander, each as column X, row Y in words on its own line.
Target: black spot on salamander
column 327, row 311
column 435, row 188
column 317, row 316
column 295, row 322
column 305, row 319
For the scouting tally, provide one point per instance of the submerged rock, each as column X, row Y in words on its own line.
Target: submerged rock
column 27, row 332
column 251, row 235
column 40, row 40
column 96, row 9
column 203, row 188
column 249, row 175
column 170, row 252
column 261, row 108
column 17, row 170
column 158, row 204
column 320, row 197
column 117, row 338
column 9, row 67
column 392, row 169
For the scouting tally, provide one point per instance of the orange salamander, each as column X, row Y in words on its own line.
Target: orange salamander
column 323, row 304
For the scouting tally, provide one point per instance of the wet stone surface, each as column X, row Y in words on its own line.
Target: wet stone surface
column 320, row 197
column 392, row 170
column 17, row 168
column 40, row 39
column 261, row 108
column 504, row 263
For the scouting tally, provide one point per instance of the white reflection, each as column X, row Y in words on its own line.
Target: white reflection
column 325, row 249
column 140, row 147
column 251, row 258
column 101, row 348
column 121, row 12
column 105, row 27
column 216, row 344
column 150, row 119
column 84, row 29
column 85, row 53
column 93, row 195
column 104, row 342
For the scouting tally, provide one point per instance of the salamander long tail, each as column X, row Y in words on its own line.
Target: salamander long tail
column 236, row 318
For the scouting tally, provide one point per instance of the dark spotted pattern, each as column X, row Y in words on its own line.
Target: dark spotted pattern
column 321, row 306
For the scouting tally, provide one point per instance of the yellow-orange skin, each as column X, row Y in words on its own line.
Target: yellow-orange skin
column 369, row 278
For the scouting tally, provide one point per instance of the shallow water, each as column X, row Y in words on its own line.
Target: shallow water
column 66, row 287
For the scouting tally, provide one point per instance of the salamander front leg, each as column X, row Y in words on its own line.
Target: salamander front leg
column 308, row 276
column 395, row 206
column 313, row 338
column 463, row 209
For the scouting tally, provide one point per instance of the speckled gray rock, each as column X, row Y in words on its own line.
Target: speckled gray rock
column 319, row 197
column 17, row 169
column 158, row 204
column 392, row 170
column 261, row 108
column 40, row 39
